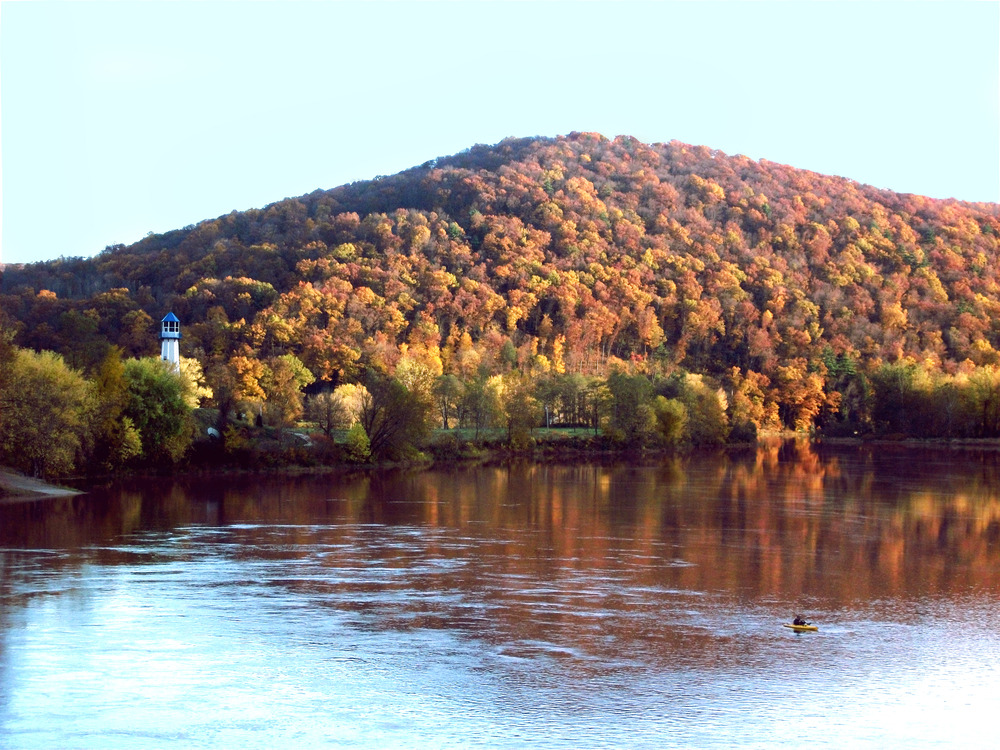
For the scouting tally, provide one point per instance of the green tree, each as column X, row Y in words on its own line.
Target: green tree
column 80, row 340
column 157, row 408
column 8, row 351
column 571, row 390
column 671, row 419
column 707, row 423
column 116, row 440
column 357, row 446
column 565, row 397
column 396, row 420
column 45, row 407
column 631, row 408
column 894, row 401
column 597, row 402
column 508, row 354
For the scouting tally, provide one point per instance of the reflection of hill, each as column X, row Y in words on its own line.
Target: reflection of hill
column 529, row 547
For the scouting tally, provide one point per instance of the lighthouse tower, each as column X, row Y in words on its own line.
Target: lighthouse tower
column 170, row 340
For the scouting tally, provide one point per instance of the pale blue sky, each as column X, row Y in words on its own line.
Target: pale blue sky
column 121, row 118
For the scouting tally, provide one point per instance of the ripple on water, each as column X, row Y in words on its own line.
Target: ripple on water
column 340, row 634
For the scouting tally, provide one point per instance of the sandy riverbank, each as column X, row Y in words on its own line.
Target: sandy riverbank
column 17, row 487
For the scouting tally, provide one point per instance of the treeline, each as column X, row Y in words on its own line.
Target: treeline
column 791, row 296
column 130, row 413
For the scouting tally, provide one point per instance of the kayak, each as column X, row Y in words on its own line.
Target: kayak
column 801, row 628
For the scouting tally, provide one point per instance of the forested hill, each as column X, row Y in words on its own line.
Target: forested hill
column 576, row 254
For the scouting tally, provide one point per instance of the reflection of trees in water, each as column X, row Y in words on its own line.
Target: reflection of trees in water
column 545, row 542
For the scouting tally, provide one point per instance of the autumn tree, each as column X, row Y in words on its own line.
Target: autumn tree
column 234, row 381
column 802, row 395
column 282, row 381
column 751, row 406
column 193, row 384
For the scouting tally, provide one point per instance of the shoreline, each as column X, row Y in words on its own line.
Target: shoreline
column 16, row 487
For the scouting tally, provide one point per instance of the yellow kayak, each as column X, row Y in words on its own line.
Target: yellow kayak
column 800, row 628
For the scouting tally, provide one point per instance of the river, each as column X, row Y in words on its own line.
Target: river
column 520, row 606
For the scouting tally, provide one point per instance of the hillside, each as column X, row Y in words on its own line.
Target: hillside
column 576, row 254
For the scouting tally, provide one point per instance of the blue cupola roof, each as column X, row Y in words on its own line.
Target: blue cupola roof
column 170, row 327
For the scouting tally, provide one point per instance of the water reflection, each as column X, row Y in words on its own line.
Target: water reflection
column 600, row 590
column 892, row 520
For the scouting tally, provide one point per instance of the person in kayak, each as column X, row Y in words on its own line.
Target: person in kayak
column 799, row 620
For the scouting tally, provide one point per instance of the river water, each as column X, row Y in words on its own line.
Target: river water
column 521, row 606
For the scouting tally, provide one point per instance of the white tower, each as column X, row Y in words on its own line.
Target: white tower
column 170, row 340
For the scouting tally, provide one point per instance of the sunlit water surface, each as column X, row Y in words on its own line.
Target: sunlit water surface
column 525, row 606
